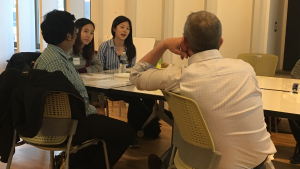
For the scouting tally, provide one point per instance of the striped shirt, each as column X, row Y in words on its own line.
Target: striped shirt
column 108, row 56
column 55, row 59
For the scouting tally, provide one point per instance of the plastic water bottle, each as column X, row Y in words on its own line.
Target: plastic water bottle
column 158, row 66
column 123, row 63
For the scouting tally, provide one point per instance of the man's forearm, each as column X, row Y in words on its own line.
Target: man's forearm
column 175, row 45
column 154, row 55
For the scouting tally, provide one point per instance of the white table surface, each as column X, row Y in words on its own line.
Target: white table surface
column 95, row 76
column 275, row 83
column 132, row 88
column 112, row 71
column 264, row 82
column 281, row 104
column 98, row 79
column 275, row 98
column 275, row 103
column 94, row 80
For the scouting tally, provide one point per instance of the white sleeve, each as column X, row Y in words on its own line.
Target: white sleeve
column 146, row 76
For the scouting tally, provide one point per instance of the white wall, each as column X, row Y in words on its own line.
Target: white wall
column 211, row 6
column 114, row 8
column 6, row 29
column 260, row 26
column 148, row 19
column 181, row 10
column 26, row 21
column 76, row 8
column 174, row 17
column 236, row 18
column 167, row 26
column 283, row 34
column 277, row 14
column 245, row 23
column 45, row 7
column 103, row 12
column 131, row 12
column 97, row 17
column 264, row 39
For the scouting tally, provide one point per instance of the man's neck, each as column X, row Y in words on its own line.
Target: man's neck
column 190, row 53
column 64, row 47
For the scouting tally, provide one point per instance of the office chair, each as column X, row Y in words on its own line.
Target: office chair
column 57, row 131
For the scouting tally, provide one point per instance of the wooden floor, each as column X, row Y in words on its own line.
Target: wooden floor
column 28, row 157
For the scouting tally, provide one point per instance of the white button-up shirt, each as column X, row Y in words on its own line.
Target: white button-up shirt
column 229, row 98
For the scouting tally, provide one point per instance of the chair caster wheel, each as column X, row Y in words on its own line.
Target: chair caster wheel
column 140, row 133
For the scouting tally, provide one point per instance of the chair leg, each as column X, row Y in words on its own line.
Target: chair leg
column 172, row 167
column 276, row 129
column 67, row 160
column 105, row 154
column 269, row 165
column 12, row 150
column 107, row 109
column 296, row 149
column 171, row 162
column 270, row 124
column 120, row 108
column 68, row 152
column 140, row 133
column 51, row 165
column 151, row 117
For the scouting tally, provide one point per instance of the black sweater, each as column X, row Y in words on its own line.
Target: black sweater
column 22, row 100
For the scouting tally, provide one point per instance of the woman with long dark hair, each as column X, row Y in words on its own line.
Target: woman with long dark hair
column 109, row 52
column 83, row 53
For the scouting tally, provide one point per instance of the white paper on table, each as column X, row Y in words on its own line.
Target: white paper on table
column 122, row 75
column 95, row 76
column 155, row 92
column 107, row 84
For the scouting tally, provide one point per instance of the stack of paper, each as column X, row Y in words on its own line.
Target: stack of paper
column 107, row 84
column 95, row 76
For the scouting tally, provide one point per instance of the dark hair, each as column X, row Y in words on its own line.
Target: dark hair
column 131, row 52
column 88, row 50
column 203, row 31
column 56, row 25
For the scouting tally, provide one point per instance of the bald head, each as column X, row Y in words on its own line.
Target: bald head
column 202, row 31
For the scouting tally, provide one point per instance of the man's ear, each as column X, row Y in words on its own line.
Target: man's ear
column 114, row 29
column 185, row 44
column 69, row 37
column 221, row 42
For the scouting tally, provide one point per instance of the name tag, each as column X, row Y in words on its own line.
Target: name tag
column 76, row 61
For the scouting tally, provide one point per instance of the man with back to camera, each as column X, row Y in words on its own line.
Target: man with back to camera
column 226, row 91
column 59, row 32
